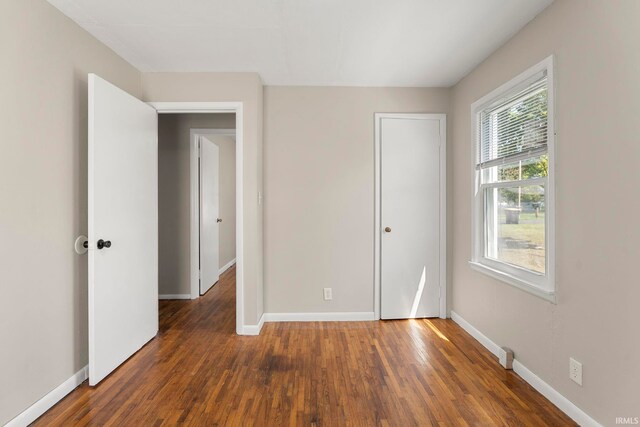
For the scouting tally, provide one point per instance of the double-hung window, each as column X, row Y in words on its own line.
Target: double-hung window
column 513, row 145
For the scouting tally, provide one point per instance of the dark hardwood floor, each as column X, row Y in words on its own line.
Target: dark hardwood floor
column 400, row 373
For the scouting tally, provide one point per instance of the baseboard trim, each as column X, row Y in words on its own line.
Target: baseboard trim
column 226, row 266
column 174, row 296
column 34, row 411
column 479, row 336
column 564, row 404
column 254, row 329
column 320, row 317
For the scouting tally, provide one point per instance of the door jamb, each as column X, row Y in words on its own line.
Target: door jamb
column 237, row 109
column 442, row 118
column 194, row 172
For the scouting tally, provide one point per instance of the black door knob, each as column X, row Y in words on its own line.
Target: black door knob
column 104, row 244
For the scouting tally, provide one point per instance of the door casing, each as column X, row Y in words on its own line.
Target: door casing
column 215, row 107
column 195, row 194
column 442, row 118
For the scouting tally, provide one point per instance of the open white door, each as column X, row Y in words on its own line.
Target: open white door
column 410, row 214
column 209, row 214
column 123, row 226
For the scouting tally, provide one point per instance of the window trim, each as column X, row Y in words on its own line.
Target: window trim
column 543, row 286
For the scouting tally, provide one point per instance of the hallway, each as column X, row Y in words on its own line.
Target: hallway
column 198, row 372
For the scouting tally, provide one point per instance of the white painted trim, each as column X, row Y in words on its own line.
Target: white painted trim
column 194, row 189
column 536, row 284
column 254, row 329
column 320, row 317
column 378, row 206
column 564, row 404
column 479, row 336
column 196, row 107
column 443, row 217
column 174, row 296
column 34, row 411
column 221, row 107
column 239, row 220
column 227, row 266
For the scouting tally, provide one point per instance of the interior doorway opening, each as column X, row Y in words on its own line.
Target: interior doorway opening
column 217, row 205
column 219, row 108
column 197, row 201
column 123, row 207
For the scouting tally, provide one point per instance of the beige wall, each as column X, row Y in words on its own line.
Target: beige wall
column 319, row 191
column 43, row 195
column 174, row 195
column 245, row 88
column 598, row 170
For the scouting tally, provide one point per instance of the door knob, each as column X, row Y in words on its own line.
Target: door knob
column 387, row 229
column 104, row 244
column 219, row 220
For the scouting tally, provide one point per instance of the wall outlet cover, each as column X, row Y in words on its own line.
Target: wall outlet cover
column 328, row 294
column 575, row 371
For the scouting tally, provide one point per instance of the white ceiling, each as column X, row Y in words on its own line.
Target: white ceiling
column 308, row 42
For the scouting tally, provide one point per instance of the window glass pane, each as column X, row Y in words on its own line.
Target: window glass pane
column 536, row 167
column 515, row 126
column 515, row 226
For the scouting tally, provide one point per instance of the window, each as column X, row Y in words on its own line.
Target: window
column 513, row 141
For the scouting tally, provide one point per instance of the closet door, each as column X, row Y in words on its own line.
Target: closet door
column 410, row 215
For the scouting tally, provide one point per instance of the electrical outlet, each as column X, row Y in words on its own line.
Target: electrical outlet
column 327, row 294
column 575, row 371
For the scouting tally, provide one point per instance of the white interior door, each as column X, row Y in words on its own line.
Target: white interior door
column 123, row 226
column 209, row 214
column 410, row 216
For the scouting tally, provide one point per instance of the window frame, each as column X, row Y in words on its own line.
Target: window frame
column 537, row 284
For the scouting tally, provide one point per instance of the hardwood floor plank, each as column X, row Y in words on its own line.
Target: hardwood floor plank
column 426, row 372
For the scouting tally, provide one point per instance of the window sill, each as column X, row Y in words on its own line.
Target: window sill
column 514, row 281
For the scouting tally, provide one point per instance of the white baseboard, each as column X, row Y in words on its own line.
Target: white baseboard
column 254, row 329
column 226, row 266
column 320, row 317
column 30, row 414
column 564, row 404
column 174, row 296
column 479, row 336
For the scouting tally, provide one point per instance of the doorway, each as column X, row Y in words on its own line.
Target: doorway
column 410, row 216
column 197, row 201
column 123, row 209
column 215, row 193
column 217, row 108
